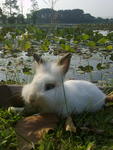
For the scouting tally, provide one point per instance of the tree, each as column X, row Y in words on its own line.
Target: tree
column 11, row 7
column 63, row 16
column 34, row 11
column 12, row 19
column 3, row 18
column 52, row 4
column 20, row 19
column 1, row 15
column 34, row 5
column 29, row 19
column 1, row 12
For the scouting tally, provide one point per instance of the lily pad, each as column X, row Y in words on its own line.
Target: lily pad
column 87, row 68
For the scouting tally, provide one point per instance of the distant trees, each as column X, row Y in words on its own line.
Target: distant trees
column 1, row 12
column 14, row 18
column 32, row 16
column 20, row 19
column 11, row 7
column 70, row 16
column 46, row 16
column 9, row 11
column 51, row 4
column 3, row 18
column 62, row 16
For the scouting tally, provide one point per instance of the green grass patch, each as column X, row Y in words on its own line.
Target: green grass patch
column 8, row 140
column 60, row 139
column 83, row 140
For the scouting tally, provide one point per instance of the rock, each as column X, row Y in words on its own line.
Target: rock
column 31, row 129
column 10, row 95
column 5, row 94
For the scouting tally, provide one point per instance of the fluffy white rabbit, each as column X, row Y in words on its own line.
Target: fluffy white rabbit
column 49, row 92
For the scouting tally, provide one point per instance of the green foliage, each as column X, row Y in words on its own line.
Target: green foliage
column 110, row 36
column 69, row 39
column 59, row 138
column 27, row 70
column 101, row 66
column 62, row 41
column 103, row 40
column 111, row 57
column 87, row 68
column 75, row 16
column 109, row 47
column 8, row 44
column 67, row 47
column 85, row 37
column 11, row 6
column 82, row 140
column 75, row 42
column 26, row 45
column 1, row 38
column 91, row 44
column 8, row 139
column 45, row 45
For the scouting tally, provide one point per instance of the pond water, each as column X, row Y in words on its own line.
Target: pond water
column 20, row 69
column 92, row 66
column 103, row 32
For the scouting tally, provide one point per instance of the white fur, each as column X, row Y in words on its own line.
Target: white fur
column 69, row 97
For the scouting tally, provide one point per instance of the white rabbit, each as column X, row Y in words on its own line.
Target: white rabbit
column 51, row 94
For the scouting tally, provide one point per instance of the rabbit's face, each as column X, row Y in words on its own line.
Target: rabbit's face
column 48, row 78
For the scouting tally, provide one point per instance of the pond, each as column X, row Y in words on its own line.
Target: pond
column 20, row 69
column 87, row 63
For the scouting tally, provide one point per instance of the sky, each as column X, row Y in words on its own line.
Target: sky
column 97, row 8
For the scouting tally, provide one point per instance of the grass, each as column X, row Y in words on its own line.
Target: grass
column 8, row 139
column 59, row 139
column 83, row 140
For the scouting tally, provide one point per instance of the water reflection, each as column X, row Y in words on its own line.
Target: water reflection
column 21, row 68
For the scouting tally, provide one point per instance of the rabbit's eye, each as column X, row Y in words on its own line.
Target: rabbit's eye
column 49, row 86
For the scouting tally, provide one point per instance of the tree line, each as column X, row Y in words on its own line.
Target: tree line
column 74, row 16
column 11, row 14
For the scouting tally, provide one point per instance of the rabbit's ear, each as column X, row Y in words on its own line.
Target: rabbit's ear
column 38, row 59
column 64, row 62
